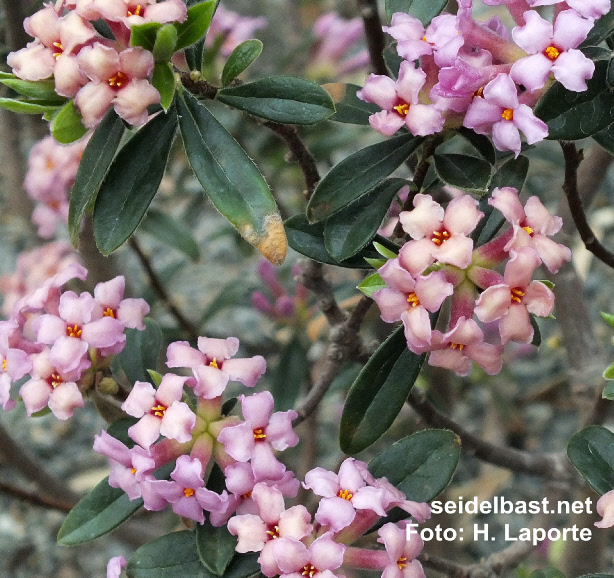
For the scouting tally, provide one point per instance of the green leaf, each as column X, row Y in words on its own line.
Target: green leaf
column 196, row 24
column 132, row 182
column 379, row 393
column 171, row 232
column 463, row 172
column 591, row 451
column 290, row 375
column 371, row 284
column 102, row 510
column 605, row 138
column 424, row 10
column 164, row 46
column 119, row 430
column 216, row 547
column 384, row 251
column 608, row 318
column 597, row 53
column 67, row 126
column 349, row 108
column 512, row 174
column 350, row 229
column 608, row 374
column 547, row 573
column 140, row 353
column 308, row 240
column 41, row 89
column 240, row 58
column 93, row 168
column 576, row 115
column 144, row 35
column 420, row 465
column 231, row 180
column 155, row 377
column 359, row 173
column 480, row 143
column 163, row 81
column 537, row 334
column 282, row 99
column 602, row 28
column 27, row 107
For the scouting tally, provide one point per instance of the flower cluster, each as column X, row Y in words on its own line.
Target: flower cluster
column 62, row 340
column 470, row 71
column 97, row 72
column 52, row 168
column 440, row 261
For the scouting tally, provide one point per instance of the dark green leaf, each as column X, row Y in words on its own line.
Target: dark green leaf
column 102, row 510
column 166, row 41
column 27, row 107
column 512, row 174
column 171, row 232
column 119, row 430
column 67, row 126
column 602, row 28
column 480, row 143
column 605, row 138
column 308, row 240
column 240, row 58
column 41, row 89
column 576, row 115
column 424, row 10
column 290, row 375
column 379, row 393
column 93, row 168
column 591, row 451
column 392, row 59
column 357, row 174
column 132, row 182
column 144, row 35
column 463, row 172
column 196, row 24
column 282, row 99
column 420, row 465
column 349, row 230
column 216, row 547
column 372, row 284
column 537, row 334
column 140, row 353
column 350, row 109
column 231, row 180
column 597, row 53
column 163, row 81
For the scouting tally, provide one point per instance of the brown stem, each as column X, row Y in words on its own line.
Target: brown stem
column 158, row 287
column 376, row 41
column 36, row 498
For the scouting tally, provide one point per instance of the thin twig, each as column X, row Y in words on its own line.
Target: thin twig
column 573, row 158
column 548, row 466
column 36, row 498
column 158, row 287
column 376, row 41
column 312, row 277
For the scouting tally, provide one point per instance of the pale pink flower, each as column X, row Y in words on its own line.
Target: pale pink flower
column 115, row 565
column 160, row 411
column 401, row 551
column 605, row 508
column 234, row 29
column 512, row 301
column 400, row 101
column 14, row 363
column 588, row 8
column 532, row 225
column 110, row 297
column 118, row 80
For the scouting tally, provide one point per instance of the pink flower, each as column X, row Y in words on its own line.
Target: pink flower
column 588, row 8
column 552, row 49
column 605, row 508
column 118, row 80
column 260, row 433
column 513, row 300
column 531, row 227
column 402, row 552
column 212, row 366
column 110, row 296
column 233, row 27
column 401, row 103
column 445, row 232
column 160, row 411
column 14, row 363
column 500, row 112
column 115, row 565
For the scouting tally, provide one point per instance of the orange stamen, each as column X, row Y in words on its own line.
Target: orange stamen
column 118, row 80
column 402, row 562
column 309, row 570
column 73, row 331
column 259, row 434
column 413, row 300
column 158, row 410
column 108, row 312
column 507, row 114
column 517, row 294
column 188, row 492
column 345, row 494
column 440, row 237
column 552, row 53
column 402, row 109
column 214, row 363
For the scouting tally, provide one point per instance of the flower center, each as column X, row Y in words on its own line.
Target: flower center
column 551, row 53
column 4, row 365
column 158, row 410
column 73, row 331
column 507, row 114
column 479, row 93
column 413, row 300
column 309, row 570
column 345, row 494
column 108, row 312
column 402, row 108
column 440, row 237
column 259, row 434
column 246, row 496
column 517, row 294
column 214, row 364
column 118, row 80
column 529, row 230
column 402, row 562
column 273, row 532
column 188, row 492
column 55, row 380
column 133, row 471
column 459, row 346
column 137, row 11
column 60, row 50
